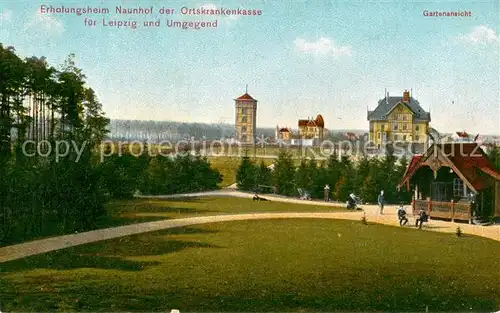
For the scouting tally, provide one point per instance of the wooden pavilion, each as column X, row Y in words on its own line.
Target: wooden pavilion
column 454, row 181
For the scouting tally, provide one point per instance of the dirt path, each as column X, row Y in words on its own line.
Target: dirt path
column 18, row 251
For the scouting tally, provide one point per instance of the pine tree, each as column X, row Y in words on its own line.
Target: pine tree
column 362, row 172
column 264, row 176
column 284, row 174
column 342, row 189
column 369, row 191
column 246, row 175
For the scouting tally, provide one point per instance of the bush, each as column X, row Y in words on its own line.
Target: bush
column 182, row 174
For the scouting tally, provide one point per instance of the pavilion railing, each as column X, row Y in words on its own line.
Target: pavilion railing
column 448, row 210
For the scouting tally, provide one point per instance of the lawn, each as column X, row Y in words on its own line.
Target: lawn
column 228, row 166
column 181, row 208
column 268, row 265
column 131, row 211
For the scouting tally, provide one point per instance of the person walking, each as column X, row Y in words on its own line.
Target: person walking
column 327, row 192
column 381, row 202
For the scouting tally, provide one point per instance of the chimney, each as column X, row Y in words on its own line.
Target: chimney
column 406, row 96
column 387, row 98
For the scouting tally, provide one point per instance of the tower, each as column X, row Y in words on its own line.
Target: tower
column 246, row 118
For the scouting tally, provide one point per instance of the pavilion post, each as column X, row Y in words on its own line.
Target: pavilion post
column 429, row 207
column 452, row 211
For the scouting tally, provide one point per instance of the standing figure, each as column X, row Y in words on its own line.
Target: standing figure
column 327, row 192
column 381, row 202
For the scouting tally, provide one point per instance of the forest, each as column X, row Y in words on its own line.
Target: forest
column 42, row 193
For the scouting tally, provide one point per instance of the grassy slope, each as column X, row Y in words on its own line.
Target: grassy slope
column 124, row 212
column 280, row 265
column 206, row 206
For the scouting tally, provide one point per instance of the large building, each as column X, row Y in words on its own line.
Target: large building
column 312, row 128
column 246, row 119
column 398, row 119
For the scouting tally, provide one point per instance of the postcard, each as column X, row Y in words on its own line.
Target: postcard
column 249, row 156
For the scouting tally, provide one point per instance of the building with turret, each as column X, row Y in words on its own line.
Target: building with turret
column 312, row 128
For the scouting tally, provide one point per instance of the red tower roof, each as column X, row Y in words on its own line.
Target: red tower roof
column 247, row 97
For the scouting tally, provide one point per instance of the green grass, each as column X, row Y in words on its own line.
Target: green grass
column 269, row 265
column 180, row 208
column 228, row 166
column 124, row 212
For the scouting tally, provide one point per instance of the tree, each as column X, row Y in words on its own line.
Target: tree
column 264, row 175
column 362, row 172
column 302, row 177
column 404, row 195
column 343, row 188
column 494, row 156
column 369, row 191
column 332, row 171
column 284, row 174
column 246, row 175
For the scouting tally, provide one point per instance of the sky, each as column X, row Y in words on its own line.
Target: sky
column 299, row 59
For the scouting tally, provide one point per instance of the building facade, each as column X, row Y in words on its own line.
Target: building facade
column 246, row 119
column 398, row 119
column 312, row 128
column 283, row 133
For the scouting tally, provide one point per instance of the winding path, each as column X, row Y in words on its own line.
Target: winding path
column 18, row 251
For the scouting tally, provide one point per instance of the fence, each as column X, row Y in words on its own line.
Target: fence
column 448, row 210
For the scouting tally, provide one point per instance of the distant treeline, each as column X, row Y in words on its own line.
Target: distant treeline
column 156, row 131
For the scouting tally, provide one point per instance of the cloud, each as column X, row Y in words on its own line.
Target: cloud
column 481, row 35
column 324, row 46
column 45, row 22
column 5, row 16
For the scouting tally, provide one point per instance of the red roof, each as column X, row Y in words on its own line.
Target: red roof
column 318, row 122
column 284, row 130
column 413, row 163
column 246, row 96
column 306, row 123
column 351, row 135
column 467, row 158
column 463, row 135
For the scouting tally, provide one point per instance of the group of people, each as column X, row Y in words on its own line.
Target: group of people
column 403, row 219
